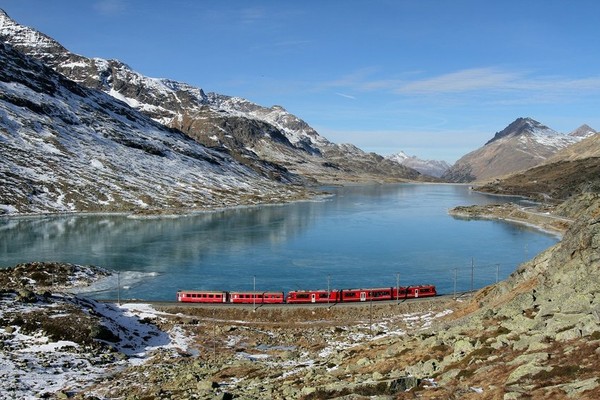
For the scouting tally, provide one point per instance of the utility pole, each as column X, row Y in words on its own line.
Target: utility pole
column 398, row 287
column 455, row 272
column 497, row 272
column 371, row 315
column 472, row 271
column 254, row 293
column 328, row 290
column 119, row 287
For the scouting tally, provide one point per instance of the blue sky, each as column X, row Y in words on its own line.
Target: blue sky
column 434, row 78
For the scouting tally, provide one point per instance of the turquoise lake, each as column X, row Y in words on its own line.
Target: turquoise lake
column 360, row 236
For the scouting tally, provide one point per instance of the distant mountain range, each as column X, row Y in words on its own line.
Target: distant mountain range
column 523, row 144
column 88, row 134
column 270, row 140
column 433, row 168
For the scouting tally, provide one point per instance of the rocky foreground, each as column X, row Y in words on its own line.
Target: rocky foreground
column 535, row 335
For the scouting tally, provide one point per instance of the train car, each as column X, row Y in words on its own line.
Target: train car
column 256, row 297
column 313, row 296
column 201, row 296
column 371, row 294
column 413, row 292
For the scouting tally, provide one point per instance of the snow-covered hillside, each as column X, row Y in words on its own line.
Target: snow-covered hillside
column 68, row 148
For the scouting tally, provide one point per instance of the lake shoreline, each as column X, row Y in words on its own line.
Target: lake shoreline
column 514, row 213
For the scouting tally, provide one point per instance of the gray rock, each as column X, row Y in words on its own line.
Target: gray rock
column 575, row 388
column 403, row 384
column 524, row 370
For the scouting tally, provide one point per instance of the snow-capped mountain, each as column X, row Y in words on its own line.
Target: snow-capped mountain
column 584, row 131
column 257, row 136
column 433, row 168
column 68, row 148
column 521, row 145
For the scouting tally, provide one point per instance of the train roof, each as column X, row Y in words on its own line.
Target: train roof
column 256, row 292
column 201, row 291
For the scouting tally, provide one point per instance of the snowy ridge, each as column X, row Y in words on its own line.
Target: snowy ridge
column 295, row 129
column 166, row 101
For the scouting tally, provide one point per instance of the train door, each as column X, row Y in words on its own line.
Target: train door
column 363, row 296
column 313, row 297
column 416, row 293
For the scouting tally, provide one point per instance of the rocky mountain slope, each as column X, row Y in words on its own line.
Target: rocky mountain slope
column 68, row 148
column 523, row 144
column 433, row 168
column 570, row 172
column 270, row 140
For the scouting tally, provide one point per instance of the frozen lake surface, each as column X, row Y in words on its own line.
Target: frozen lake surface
column 362, row 236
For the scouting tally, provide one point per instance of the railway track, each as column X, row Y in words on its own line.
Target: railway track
column 259, row 306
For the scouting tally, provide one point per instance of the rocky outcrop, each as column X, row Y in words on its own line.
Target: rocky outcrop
column 537, row 332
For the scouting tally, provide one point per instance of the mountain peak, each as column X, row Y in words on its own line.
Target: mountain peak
column 519, row 127
column 24, row 37
column 583, row 131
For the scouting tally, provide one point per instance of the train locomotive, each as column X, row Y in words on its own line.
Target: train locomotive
column 307, row 296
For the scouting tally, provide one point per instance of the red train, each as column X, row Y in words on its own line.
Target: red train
column 307, row 296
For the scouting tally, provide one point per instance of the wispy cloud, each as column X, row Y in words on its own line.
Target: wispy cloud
column 347, row 96
column 463, row 81
column 110, row 7
column 252, row 15
column 492, row 84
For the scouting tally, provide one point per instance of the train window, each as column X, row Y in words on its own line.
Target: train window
column 322, row 295
column 302, row 296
